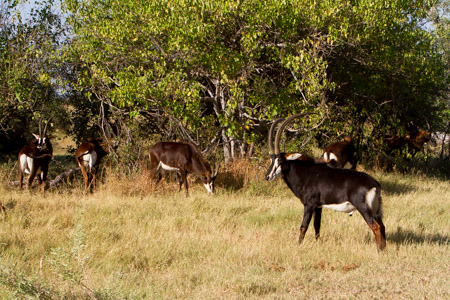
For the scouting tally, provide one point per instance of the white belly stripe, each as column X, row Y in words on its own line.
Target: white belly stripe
column 166, row 167
column 343, row 207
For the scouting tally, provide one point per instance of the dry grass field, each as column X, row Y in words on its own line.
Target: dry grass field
column 129, row 241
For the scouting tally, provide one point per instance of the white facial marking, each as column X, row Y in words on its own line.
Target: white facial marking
column 166, row 167
column 325, row 156
column 208, row 187
column 343, row 207
column 371, row 200
column 275, row 171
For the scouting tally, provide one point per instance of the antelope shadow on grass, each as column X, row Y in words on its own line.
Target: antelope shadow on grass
column 406, row 236
column 395, row 188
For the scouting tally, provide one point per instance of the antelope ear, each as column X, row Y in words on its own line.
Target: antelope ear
column 35, row 135
column 294, row 156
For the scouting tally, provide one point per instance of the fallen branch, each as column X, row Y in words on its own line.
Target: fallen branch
column 69, row 175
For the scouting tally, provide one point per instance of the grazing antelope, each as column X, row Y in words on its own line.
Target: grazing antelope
column 88, row 157
column 318, row 185
column 414, row 141
column 341, row 153
column 184, row 158
column 35, row 157
column 417, row 140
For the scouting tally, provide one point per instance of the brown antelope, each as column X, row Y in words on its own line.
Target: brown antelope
column 88, row 157
column 318, row 185
column 35, row 158
column 184, row 158
column 413, row 141
column 340, row 153
column 417, row 140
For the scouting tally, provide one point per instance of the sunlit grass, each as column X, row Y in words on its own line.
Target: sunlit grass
column 128, row 240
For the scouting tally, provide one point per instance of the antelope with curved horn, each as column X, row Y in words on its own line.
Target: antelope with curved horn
column 318, row 185
column 35, row 157
column 289, row 156
column 88, row 157
column 183, row 158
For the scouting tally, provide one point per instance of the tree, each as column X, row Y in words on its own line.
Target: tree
column 439, row 18
column 27, row 92
column 235, row 65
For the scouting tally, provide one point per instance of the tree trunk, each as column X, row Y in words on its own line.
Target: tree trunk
column 226, row 147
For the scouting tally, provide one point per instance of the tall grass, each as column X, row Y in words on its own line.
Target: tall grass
column 128, row 240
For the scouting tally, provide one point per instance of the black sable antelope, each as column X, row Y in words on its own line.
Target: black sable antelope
column 183, row 158
column 35, row 157
column 340, row 153
column 318, row 185
column 88, row 157
column 272, row 172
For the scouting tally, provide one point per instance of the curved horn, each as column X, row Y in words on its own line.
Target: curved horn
column 40, row 128
column 270, row 137
column 281, row 128
column 45, row 128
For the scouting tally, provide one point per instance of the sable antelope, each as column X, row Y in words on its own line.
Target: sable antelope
column 184, row 158
column 88, row 157
column 417, row 139
column 317, row 185
column 413, row 140
column 341, row 153
column 35, row 157
column 289, row 156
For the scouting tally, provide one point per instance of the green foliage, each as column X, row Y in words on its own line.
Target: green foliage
column 21, row 287
column 440, row 21
column 234, row 64
column 27, row 53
